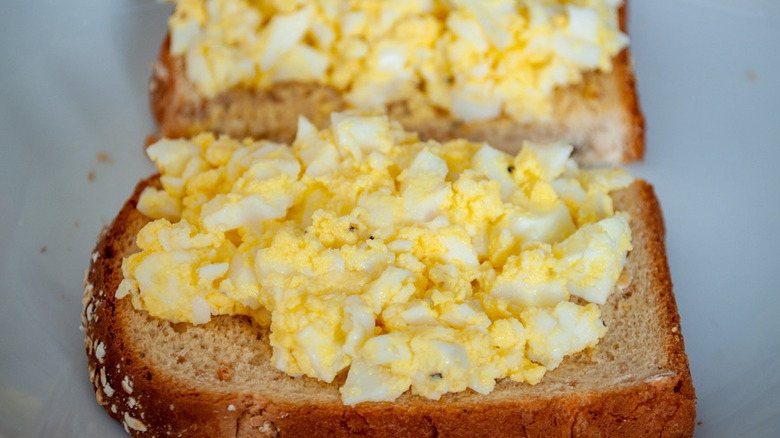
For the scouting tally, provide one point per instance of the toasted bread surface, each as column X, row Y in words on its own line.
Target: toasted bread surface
column 213, row 380
column 601, row 116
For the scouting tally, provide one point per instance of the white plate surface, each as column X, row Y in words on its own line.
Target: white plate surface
column 74, row 114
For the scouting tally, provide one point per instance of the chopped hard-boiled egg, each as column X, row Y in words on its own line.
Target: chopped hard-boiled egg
column 417, row 266
column 476, row 59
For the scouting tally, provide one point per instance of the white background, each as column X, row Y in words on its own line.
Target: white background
column 73, row 81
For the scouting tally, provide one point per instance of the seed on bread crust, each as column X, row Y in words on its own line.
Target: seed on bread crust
column 127, row 385
column 134, row 423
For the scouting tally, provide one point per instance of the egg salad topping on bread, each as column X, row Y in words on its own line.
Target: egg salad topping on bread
column 423, row 266
column 477, row 59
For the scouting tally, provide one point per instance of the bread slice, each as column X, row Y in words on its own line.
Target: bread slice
column 600, row 117
column 216, row 380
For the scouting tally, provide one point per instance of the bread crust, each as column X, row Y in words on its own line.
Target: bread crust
column 601, row 116
column 153, row 401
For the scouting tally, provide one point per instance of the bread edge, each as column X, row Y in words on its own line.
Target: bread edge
column 624, row 63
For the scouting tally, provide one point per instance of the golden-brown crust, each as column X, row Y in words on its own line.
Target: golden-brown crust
column 623, row 64
column 162, row 89
column 152, row 402
column 601, row 117
column 130, row 391
column 641, row 203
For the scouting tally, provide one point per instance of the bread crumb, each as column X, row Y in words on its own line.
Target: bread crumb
column 76, row 224
column 698, row 423
column 91, row 176
column 103, row 157
column 751, row 75
column 224, row 373
column 623, row 280
column 43, row 250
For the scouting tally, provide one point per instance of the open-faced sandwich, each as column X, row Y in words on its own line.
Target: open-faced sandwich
column 499, row 71
column 364, row 282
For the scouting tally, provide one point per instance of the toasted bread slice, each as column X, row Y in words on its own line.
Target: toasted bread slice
column 600, row 117
column 216, row 379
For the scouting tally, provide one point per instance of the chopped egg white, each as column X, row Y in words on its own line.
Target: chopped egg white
column 415, row 266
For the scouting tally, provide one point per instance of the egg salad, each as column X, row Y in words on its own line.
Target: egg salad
column 477, row 59
column 423, row 266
